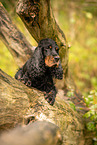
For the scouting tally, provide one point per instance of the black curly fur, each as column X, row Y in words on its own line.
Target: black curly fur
column 41, row 68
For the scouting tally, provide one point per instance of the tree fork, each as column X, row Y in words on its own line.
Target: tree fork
column 21, row 48
column 38, row 18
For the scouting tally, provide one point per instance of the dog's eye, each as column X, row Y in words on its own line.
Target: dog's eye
column 50, row 46
column 57, row 49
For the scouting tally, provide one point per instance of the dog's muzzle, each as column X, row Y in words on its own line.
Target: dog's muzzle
column 56, row 58
column 51, row 61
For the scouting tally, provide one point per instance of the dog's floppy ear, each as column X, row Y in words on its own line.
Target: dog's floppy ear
column 39, row 50
column 38, row 54
column 41, row 43
column 38, row 57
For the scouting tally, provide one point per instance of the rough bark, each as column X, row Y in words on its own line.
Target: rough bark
column 14, row 39
column 18, row 102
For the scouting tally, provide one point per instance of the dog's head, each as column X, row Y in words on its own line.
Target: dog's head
column 50, row 52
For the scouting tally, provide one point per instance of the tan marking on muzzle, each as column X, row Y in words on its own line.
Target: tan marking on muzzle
column 49, row 61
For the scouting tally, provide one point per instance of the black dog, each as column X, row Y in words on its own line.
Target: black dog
column 41, row 68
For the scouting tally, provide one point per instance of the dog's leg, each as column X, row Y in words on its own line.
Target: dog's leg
column 23, row 77
column 51, row 91
column 50, row 96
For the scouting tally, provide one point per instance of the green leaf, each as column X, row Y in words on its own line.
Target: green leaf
column 87, row 115
column 94, row 107
column 72, row 105
column 70, row 94
column 90, row 97
column 89, row 15
column 91, row 126
column 92, row 92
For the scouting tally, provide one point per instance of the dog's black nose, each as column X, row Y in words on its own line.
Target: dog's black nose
column 56, row 58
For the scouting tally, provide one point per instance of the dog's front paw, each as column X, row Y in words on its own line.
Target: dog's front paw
column 50, row 97
column 25, row 79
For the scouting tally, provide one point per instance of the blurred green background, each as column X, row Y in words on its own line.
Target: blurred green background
column 78, row 20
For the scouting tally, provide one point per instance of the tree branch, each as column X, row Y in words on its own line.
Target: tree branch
column 14, row 39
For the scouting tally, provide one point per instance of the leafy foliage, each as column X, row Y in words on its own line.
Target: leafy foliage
column 91, row 102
